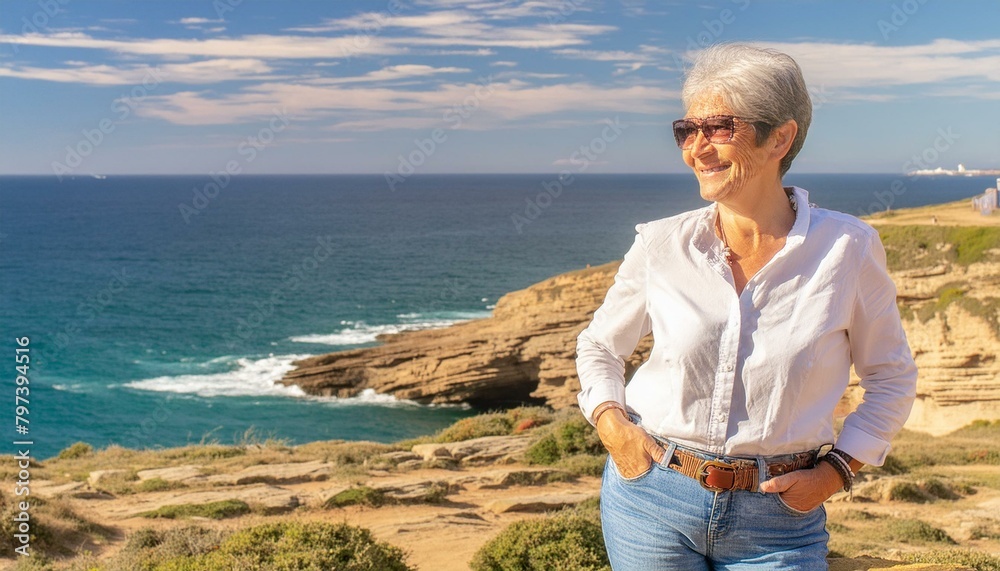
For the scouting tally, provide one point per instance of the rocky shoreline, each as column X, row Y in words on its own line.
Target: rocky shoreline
column 524, row 353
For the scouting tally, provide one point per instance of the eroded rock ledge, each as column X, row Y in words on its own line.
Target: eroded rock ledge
column 525, row 352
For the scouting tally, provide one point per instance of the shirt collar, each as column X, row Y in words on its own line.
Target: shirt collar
column 704, row 237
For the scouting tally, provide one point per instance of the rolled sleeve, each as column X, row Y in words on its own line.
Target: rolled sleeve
column 613, row 333
column 882, row 359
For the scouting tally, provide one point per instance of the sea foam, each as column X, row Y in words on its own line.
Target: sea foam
column 250, row 377
column 360, row 332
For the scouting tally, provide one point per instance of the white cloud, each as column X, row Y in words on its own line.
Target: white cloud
column 391, row 73
column 372, row 22
column 625, row 61
column 207, row 71
column 504, row 64
column 256, row 46
column 384, row 108
column 196, row 21
column 866, row 66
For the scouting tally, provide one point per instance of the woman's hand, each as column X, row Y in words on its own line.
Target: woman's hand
column 632, row 449
column 805, row 489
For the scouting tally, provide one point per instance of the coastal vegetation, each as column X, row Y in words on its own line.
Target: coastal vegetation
column 313, row 546
column 918, row 246
column 932, row 501
column 933, row 475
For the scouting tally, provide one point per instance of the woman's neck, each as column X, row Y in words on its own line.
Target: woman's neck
column 756, row 216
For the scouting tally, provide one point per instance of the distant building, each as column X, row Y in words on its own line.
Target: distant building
column 986, row 203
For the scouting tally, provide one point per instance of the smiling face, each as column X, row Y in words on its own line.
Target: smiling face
column 724, row 169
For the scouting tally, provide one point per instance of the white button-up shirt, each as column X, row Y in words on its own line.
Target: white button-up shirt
column 758, row 373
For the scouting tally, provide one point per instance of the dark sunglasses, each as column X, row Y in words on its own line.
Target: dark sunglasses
column 718, row 129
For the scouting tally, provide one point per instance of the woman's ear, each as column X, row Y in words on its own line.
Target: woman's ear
column 782, row 137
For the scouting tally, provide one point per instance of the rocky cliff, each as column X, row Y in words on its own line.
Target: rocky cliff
column 525, row 352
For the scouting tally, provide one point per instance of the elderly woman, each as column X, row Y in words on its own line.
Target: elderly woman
column 721, row 446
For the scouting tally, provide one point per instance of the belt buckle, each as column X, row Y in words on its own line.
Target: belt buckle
column 703, row 474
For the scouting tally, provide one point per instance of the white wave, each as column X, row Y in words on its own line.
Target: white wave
column 365, row 397
column 74, row 388
column 251, row 377
column 359, row 332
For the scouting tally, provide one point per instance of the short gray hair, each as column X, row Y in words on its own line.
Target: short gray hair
column 763, row 85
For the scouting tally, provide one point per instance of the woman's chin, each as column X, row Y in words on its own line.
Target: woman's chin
column 713, row 191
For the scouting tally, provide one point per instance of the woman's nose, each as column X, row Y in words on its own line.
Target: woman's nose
column 701, row 144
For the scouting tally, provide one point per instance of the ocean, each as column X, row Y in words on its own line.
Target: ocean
column 159, row 310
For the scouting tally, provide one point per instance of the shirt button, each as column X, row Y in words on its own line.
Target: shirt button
column 728, row 367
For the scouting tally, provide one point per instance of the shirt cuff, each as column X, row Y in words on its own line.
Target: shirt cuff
column 590, row 397
column 863, row 446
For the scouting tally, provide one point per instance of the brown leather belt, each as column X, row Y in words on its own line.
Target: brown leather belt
column 718, row 475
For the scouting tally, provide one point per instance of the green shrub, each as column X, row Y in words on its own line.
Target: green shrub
column 544, row 451
column 513, row 421
column 363, row 495
column 157, row 485
column 560, row 543
column 583, row 464
column 214, row 510
column 143, row 538
column 972, row 242
column 569, row 436
column 913, row 246
column 282, row 546
column 861, row 515
column 964, row 446
column 155, row 550
column 309, row 546
column 975, row 559
column 891, row 467
column 908, row 492
column 915, row 531
column 985, row 530
column 490, row 424
column 76, row 450
column 939, row 489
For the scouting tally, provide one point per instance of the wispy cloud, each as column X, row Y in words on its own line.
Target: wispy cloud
column 255, row 46
column 868, row 67
column 392, row 73
column 198, row 21
column 207, row 71
column 624, row 61
column 508, row 103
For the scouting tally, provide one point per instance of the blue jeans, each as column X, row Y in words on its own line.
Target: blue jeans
column 662, row 520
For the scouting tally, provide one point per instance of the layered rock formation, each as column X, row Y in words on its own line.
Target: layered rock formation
column 525, row 352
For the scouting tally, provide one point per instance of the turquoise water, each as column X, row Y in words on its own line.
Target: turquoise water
column 157, row 318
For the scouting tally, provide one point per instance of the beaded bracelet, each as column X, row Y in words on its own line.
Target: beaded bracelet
column 841, row 465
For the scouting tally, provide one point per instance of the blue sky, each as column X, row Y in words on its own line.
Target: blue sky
column 473, row 86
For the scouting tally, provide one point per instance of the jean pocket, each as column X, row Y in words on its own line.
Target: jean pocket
column 632, row 480
column 784, row 505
